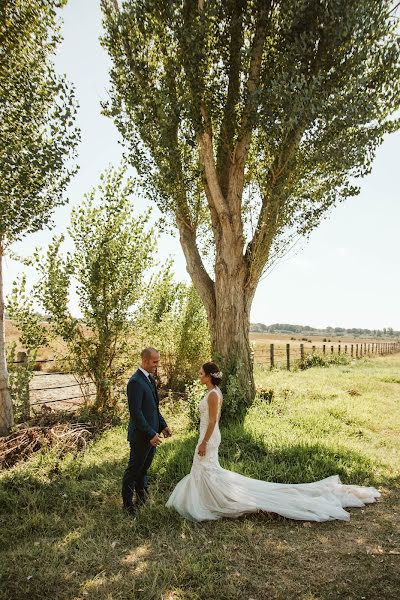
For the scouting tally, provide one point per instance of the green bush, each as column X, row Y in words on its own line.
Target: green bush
column 173, row 320
column 319, row 360
column 19, row 376
column 195, row 392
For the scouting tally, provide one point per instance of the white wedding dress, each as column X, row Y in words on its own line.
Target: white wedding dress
column 210, row 492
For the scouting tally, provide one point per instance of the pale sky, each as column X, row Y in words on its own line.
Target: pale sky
column 346, row 275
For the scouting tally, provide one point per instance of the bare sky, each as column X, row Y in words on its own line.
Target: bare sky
column 346, row 275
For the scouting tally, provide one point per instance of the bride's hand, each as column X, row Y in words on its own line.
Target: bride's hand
column 202, row 449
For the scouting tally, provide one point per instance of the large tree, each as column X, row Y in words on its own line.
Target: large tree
column 249, row 118
column 37, row 136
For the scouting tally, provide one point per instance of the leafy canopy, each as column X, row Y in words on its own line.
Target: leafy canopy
column 252, row 114
column 37, row 112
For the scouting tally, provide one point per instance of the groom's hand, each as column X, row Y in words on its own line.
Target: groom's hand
column 166, row 432
column 156, row 440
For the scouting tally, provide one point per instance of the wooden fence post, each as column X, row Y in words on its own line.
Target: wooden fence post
column 356, row 350
column 302, row 352
column 288, row 356
column 339, row 349
column 271, row 355
column 352, row 351
column 331, row 349
column 324, row 349
column 345, row 348
column 22, row 360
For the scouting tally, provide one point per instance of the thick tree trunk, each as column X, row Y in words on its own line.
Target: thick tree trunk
column 230, row 335
column 6, row 410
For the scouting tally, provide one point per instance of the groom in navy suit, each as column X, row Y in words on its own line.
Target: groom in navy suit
column 145, row 425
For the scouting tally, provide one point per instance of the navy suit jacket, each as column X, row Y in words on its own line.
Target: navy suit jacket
column 145, row 418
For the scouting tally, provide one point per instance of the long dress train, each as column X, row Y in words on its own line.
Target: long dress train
column 210, row 492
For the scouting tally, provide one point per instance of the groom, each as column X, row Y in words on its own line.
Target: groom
column 145, row 425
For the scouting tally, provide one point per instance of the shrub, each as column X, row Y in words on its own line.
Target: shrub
column 19, row 377
column 173, row 320
column 195, row 392
column 318, row 360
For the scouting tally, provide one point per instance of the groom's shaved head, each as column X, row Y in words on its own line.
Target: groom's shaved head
column 150, row 360
column 147, row 353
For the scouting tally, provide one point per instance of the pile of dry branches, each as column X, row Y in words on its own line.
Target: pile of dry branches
column 65, row 437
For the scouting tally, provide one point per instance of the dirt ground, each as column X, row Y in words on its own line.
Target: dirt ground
column 55, row 391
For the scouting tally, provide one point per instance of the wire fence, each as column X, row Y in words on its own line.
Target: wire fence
column 272, row 355
column 287, row 355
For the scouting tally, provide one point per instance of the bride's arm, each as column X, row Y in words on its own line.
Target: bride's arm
column 212, row 420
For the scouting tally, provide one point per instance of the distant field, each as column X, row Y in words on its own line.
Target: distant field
column 261, row 343
column 46, row 353
column 276, row 338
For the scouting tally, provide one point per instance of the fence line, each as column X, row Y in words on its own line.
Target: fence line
column 22, row 359
column 285, row 354
column 290, row 352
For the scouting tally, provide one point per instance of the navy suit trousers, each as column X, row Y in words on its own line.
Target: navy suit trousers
column 135, row 476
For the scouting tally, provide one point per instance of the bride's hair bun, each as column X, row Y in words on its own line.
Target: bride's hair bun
column 212, row 369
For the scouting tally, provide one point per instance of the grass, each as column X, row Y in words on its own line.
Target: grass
column 64, row 535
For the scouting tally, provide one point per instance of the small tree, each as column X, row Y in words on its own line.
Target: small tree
column 37, row 136
column 33, row 336
column 112, row 251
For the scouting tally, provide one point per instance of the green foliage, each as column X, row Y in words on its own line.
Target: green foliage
column 37, row 133
column 318, row 360
column 306, row 88
column 173, row 320
column 195, row 392
column 234, row 392
column 112, row 251
column 37, row 112
column 19, row 377
column 33, row 336
column 306, row 329
column 20, row 309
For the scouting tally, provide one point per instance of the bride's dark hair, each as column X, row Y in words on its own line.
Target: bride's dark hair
column 210, row 368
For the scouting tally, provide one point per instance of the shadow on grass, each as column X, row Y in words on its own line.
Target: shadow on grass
column 294, row 463
column 66, row 535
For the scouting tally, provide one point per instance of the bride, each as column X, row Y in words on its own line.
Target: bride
column 210, row 492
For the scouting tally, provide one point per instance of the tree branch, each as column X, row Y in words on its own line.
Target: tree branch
column 239, row 156
column 195, row 267
column 253, row 82
column 229, row 122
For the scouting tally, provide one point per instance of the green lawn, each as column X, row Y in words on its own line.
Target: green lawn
column 63, row 534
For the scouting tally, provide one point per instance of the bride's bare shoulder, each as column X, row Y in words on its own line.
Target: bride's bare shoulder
column 215, row 395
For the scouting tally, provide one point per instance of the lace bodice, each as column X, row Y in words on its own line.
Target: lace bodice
column 215, row 438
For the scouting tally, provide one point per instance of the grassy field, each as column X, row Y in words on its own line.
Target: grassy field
column 64, row 536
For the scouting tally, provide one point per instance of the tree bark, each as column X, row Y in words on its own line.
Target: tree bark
column 6, row 409
column 230, row 329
